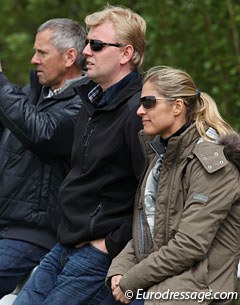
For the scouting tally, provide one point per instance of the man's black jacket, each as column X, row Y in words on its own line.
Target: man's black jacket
column 97, row 196
column 35, row 149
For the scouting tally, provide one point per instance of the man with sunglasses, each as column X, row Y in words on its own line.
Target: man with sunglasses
column 97, row 196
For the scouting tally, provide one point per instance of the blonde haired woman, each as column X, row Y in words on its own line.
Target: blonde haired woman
column 187, row 215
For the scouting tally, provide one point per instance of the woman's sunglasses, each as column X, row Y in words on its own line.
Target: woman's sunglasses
column 150, row 101
column 98, row 45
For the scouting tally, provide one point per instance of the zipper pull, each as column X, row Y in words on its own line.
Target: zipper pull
column 98, row 208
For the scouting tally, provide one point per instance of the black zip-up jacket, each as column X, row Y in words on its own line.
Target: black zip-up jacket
column 97, row 196
column 35, row 150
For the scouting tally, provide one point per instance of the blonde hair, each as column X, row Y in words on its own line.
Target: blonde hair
column 129, row 26
column 200, row 107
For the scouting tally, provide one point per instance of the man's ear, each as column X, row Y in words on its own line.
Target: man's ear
column 127, row 54
column 70, row 57
column 178, row 107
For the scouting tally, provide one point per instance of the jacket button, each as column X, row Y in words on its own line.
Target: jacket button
column 209, row 166
column 204, row 158
column 216, row 153
column 221, row 162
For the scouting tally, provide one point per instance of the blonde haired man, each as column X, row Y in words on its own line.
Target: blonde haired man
column 98, row 193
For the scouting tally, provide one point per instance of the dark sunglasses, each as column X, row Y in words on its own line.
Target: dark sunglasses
column 98, row 45
column 150, row 101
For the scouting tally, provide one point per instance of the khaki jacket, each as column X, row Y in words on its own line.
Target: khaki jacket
column 197, row 222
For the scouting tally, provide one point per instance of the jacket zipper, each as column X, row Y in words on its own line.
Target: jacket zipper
column 168, row 208
column 93, row 215
column 142, row 231
column 86, row 137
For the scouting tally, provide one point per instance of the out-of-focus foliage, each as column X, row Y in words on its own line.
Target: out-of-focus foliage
column 202, row 37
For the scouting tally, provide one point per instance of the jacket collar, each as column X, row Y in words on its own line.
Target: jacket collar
column 121, row 96
column 181, row 146
column 68, row 90
column 231, row 149
column 178, row 145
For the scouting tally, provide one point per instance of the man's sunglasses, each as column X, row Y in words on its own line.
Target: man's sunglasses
column 98, row 45
column 150, row 101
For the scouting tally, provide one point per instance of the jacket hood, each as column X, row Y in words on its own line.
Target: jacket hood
column 231, row 150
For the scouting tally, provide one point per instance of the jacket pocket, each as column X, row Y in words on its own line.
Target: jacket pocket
column 187, row 287
column 94, row 215
column 200, row 272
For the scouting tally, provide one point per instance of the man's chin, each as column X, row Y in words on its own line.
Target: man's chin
column 42, row 81
column 92, row 76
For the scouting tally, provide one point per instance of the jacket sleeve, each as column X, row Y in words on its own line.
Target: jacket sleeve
column 43, row 132
column 122, row 263
column 116, row 240
column 208, row 202
column 132, row 127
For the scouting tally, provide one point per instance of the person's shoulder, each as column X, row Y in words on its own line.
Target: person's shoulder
column 133, row 90
column 83, row 81
column 133, row 101
column 216, row 155
column 210, row 155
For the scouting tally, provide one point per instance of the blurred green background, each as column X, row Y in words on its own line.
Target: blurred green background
column 202, row 37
